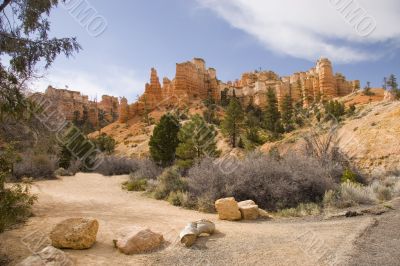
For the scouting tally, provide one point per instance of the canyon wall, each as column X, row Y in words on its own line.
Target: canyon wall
column 78, row 107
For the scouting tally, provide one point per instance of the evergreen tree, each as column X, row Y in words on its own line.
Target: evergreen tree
column 224, row 97
column 196, row 140
column 334, row 110
column 210, row 114
column 24, row 42
column 300, row 103
column 367, row 89
column 233, row 121
column 65, row 157
column 164, row 140
column 392, row 82
column 272, row 116
column 287, row 113
column 105, row 143
column 252, row 128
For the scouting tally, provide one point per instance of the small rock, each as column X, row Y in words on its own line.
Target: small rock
column 352, row 214
column 248, row 209
column 49, row 256
column 228, row 209
column 264, row 214
column 75, row 233
column 138, row 240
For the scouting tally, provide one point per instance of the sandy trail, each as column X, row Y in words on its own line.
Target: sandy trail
column 281, row 242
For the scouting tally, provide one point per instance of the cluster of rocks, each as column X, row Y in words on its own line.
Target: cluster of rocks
column 231, row 210
column 81, row 233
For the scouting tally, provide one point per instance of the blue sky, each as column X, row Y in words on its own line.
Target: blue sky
column 233, row 36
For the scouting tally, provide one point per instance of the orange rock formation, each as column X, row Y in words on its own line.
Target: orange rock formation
column 194, row 81
column 76, row 106
column 319, row 83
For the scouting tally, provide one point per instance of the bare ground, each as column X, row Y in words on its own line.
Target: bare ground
column 280, row 242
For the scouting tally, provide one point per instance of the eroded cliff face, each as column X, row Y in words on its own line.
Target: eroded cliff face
column 319, row 83
column 194, row 81
column 77, row 107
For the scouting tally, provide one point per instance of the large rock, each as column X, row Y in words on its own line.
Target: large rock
column 49, row 256
column 75, row 233
column 138, row 240
column 228, row 209
column 248, row 209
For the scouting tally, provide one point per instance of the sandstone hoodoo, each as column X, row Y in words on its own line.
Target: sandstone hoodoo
column 75, row 233
column 228, row 209
column 194, row 81
column 138, row 240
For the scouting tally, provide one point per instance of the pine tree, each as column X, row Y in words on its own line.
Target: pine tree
column 65, row 157
column 233, row 121
column 272, row 116
column 300, row 103
column 164, row 140
column 392, row 82
column 287, row 113
column 196, row 140
column 210, row 114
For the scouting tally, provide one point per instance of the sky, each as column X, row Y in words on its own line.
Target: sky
column 123, row 40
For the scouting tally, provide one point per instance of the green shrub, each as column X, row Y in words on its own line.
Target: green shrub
column 105, row 143
column 169, row 181
column 136, row 185
column 176, row 198
column 15, row 205
column 304, row 209
column 348, row 176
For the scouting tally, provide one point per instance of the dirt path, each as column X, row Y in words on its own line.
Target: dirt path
column 283, row 242
column 379, row 245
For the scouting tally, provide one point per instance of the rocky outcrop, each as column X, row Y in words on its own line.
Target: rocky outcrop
column 77, row 107
column 319, row 83
column 193, row 81
column 228, row 209
column 124, row 111
column 49, row 256
column 248, row 209
column 75, row 233
column 138, row 240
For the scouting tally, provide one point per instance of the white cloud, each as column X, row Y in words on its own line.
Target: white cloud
column 310, row 29
column 113, row 81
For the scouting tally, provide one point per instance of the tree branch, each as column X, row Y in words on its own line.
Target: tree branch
column 4, row 4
